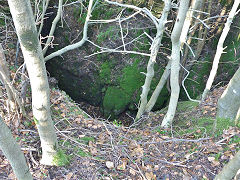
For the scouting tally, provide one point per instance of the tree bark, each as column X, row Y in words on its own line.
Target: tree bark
column 11, row 91
column 175, row 66
column 154, row 50
column 4, row 69
column 13, row 153
column 229, row 103
column 230, row 169
column 27, row 34
column 159, row 87
column 220, row 49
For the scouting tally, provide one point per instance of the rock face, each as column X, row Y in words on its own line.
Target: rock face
column 113, row 81
column 110, row 80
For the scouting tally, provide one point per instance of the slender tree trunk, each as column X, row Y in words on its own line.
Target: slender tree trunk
column 154, row 50
column 13, row 153
column 237, row 117
column 11, row 91
column 220, row 49
column 175, row 66
column 229, row 103
column 230, row 169
column 184, row 61
column 166, row 73
column 159, row 87
column 194, row 5
column 53, row 27
column 27, row 34
column 4, row 69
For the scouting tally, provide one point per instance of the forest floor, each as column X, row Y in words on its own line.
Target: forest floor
column 94, row 148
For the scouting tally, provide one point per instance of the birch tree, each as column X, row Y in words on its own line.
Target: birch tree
column 220, row 49
column 230, row 169
column 166, row 73
column 154, row 50
column 175, row 65
column 27, row 34
column 4, row 70
column 229, row 103
column 12, row 95
column 13, row 153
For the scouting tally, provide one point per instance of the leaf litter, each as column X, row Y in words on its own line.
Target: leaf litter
column 98, row 149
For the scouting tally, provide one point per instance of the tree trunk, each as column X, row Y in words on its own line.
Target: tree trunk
column 27, row 34
column 175, row 66
column 159, row 87
column 11, row 91
column 230, row 169
column 220, row 49
column 13, row 153
column 229, row 103
column 4, row 69
column 154, row 50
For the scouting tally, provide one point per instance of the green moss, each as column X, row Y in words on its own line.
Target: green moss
column 86, row 139
column 2, row 22
column 82, row 153
column 61, row 159
column 117, row 98
column 108, row 33
column 202, row 127
column 29, row 40
column 223, row 123
column 101, row 11
column 132, row 78
column 115, row 101
column 105, row 72
column 186, row 105
column 195, row 83
column 35, row 120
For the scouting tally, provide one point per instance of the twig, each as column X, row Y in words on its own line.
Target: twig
column 122, row 37
column 171, row 163
column 32, row 158
column 110, row 133
column 118, row 51
column 135, row 164
column 224, row 139
column 71, row 139
column 176, row 140
column 198, row 101
column 145, row 10
column 53, row 27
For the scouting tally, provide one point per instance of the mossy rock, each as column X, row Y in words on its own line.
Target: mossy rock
column 118, row 97
column 126, row 94
column 111, row 80
column 115, row 101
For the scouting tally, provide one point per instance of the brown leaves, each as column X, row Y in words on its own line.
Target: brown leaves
column 137, row 151
column 150, row 176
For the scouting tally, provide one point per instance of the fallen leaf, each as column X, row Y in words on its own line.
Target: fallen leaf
column 211, row 159
column 68, row 176
column 198, row 167
column 109, row 164
column 150, row 176
column 123, row 165
column 133, row 172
